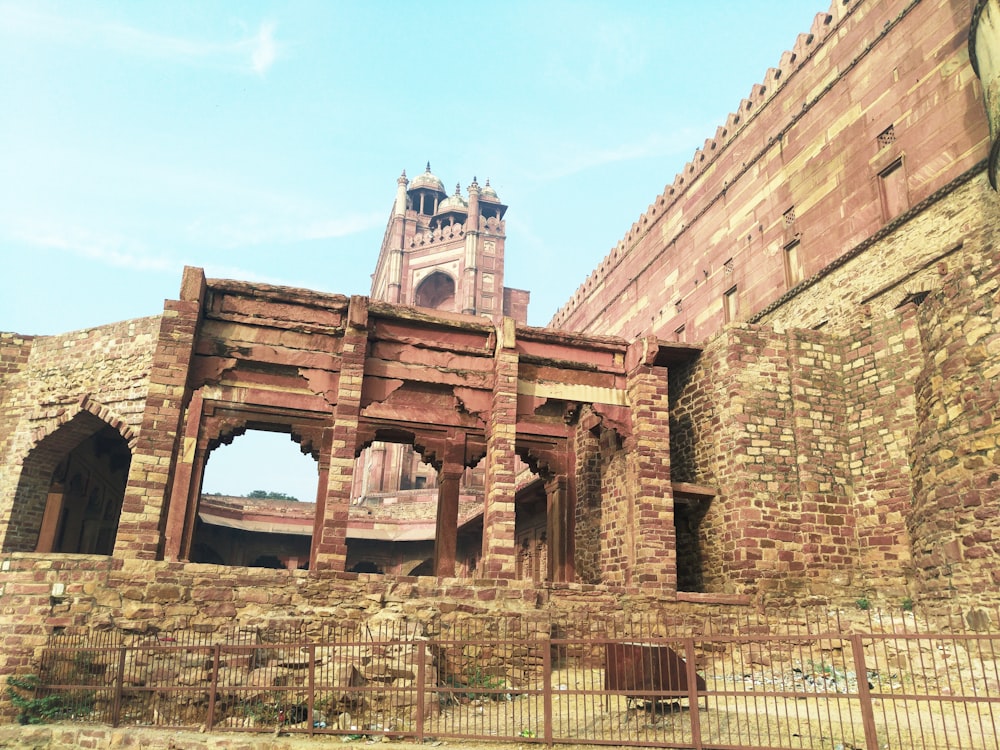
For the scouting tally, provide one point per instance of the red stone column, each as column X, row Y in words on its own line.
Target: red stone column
column 499, row 549
column 654, row 563
column 155, row 458
column 329, row 545
column 560, row 523
column 446, row 532
column 184, row 493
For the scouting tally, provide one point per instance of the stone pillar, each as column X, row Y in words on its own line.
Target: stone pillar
column 560, row 530
column 329, row 545
column 499, row 548
column 446, row 532
column 469, row 292
column 184, row 493
column 155, row 458
column 654, row 563
column 50, row 519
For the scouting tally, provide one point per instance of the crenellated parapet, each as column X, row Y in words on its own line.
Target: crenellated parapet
column 668, row 205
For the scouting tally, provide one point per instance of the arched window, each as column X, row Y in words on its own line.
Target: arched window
column 437, row 291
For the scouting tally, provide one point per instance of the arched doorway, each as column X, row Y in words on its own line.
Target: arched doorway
column 69, row 498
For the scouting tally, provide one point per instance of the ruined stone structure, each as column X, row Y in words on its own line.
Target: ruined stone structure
column 444, row 253
column 781, row 385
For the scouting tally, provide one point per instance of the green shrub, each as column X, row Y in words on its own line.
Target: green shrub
column 35, row 709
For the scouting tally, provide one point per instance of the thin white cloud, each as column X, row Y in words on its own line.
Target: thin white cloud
column 107, row 249
column 565, row 160
column 281, row 227
column 265, row 51
column 119, row 252
column 255, row 52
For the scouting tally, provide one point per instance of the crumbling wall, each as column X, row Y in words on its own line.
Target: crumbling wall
column 66, row 388
column 955, row 457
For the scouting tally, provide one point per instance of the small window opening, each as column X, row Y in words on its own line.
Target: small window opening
column 731, row 304
column 892, row 190
column 917, row 298
column 793, row 265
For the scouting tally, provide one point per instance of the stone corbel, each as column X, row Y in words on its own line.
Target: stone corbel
column 611, row 417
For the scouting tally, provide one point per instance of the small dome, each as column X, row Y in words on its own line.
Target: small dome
column 489, row 194
column 427, row 180
column 454, row 203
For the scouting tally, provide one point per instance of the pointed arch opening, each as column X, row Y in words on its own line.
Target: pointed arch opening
column 70, row 493
column 437, row 291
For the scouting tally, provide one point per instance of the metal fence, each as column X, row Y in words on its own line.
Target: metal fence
column 870, row 681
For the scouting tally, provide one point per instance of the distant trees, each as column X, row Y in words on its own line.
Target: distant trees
column 264, row 495
column 256, row 495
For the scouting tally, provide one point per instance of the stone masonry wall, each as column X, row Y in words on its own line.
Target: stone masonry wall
column 803, row 434
column 617, row 517
column 954, row 521
column 871, row 113
column 880, row 366
column 587, row 564
column 73, row 381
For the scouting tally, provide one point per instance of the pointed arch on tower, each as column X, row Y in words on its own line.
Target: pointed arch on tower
column 436, row 291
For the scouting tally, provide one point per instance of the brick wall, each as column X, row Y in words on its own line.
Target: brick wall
column 805, row 435
column 588, row 506
column 147, row 492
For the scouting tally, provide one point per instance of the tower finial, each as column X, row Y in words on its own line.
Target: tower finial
column 428, row 170
column 458, row 188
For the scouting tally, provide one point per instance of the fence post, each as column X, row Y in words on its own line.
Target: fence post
column 311, row 700
column 421, row 687
column 694, row 702
column 547, row 690
column 116, row 704
column 864, row 694
column 213, row 687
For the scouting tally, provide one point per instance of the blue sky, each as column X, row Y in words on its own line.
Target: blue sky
column 262, row 140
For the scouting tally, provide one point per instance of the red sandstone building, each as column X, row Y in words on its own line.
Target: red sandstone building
column 781, row 382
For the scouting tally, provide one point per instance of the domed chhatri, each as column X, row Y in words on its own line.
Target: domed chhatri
column 454, row 202
column 488, row 193
column 428, row 180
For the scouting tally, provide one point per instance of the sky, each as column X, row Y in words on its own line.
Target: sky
column 261, row 140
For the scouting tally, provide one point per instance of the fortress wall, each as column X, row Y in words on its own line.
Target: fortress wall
column 802, row 163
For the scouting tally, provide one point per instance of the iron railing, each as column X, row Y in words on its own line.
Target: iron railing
column 872, row 681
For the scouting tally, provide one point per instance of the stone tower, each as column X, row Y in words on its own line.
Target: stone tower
column 446, row 252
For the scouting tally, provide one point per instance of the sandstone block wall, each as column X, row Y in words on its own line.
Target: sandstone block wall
column 954, row 520
column 871, row 113
column 800, row 439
